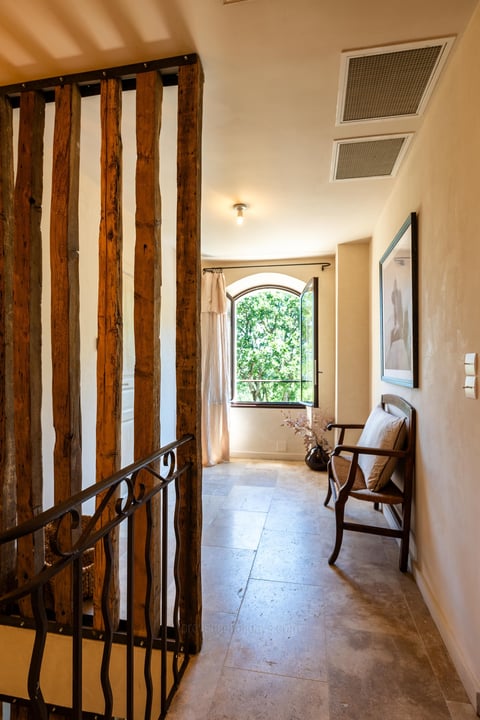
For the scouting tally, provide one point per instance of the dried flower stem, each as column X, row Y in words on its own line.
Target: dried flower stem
column 312, row 432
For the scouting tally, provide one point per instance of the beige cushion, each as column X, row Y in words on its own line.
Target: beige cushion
column 340, row 469
column 386, row 432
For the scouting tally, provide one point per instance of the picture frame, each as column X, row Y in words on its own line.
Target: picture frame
column 399, row 307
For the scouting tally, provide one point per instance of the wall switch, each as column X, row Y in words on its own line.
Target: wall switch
column 470, row 387
column 470, row 363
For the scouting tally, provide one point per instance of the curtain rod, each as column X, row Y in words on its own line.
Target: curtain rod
column 244, row 267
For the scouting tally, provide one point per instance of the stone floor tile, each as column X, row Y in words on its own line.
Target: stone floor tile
column 215, row 488
column 295, row 489
column 372, row 602
column 249, row 497
column 359, row 549
column 225, row 576
column 235, row 529
column 211, row 509
column 441, row 662
column 345, row 705
column 461, row 711
column 260, row 479
column 292, row 557
column 194, row 696
column 244, row 695
column 280, row 630
column 300, row 516
column 376, row 675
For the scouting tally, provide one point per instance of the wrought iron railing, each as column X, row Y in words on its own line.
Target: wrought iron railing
column 158, row 656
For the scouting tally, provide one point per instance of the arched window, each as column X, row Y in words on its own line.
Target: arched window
column 266, row 346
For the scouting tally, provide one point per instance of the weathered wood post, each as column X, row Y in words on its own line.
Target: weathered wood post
column 27, row 302
column 147, row 307
column 8, row 493
column 65, row 319
column 109, row 348
column 190, row 93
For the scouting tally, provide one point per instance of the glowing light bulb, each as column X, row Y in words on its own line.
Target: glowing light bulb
column 239, row 207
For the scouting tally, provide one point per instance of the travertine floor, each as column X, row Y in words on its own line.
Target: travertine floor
column 286, row 636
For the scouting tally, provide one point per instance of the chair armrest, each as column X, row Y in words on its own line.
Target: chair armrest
column 355, row 451
column 342, row 427
column 361, row 450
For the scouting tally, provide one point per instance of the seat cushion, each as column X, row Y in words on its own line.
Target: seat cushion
column 386, row 432
column 341, row 467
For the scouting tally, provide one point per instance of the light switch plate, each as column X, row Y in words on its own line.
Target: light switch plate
column 470, row 387
column 470, row 363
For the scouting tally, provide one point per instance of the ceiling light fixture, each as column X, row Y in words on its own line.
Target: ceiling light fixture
column 239, row 207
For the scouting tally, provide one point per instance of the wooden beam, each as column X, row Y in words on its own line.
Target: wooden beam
column 27, row 297
column 188, row 346
column 7, row 462
column 147, row 322
column 109, row 349
column 89, row 82
column 65, row 319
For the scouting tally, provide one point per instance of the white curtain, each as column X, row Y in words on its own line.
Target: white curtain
column 215, row 370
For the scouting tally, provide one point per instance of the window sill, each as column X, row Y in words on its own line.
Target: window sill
column 268, row 404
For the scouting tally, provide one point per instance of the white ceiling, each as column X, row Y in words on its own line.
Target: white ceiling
column 271, row 85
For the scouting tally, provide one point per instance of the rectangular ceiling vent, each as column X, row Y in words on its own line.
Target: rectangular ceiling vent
column 372, row 157
column 389, row 82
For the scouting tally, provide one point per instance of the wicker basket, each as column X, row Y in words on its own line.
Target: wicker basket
column 88, row 565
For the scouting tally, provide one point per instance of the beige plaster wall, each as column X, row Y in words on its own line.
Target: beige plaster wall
column 353, row 332
column 440, row 181
column 326, row 341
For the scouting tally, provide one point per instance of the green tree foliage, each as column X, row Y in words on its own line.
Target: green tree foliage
column 267, row 346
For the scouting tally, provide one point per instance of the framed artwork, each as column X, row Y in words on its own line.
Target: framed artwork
column 399, row 307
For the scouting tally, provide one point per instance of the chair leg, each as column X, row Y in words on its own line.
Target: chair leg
column 329, row 493
column 404, row 543
column 405, row 540
column 339, row 515
column 404, row 547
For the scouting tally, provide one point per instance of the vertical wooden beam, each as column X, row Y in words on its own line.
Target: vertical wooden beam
column 109, row 349
column 188, row 350
column 65, row 320
column 147, row 320
column 7, row 466
column 27, row 298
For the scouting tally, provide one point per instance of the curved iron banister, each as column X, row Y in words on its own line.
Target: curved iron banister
column 108, row 629
column 69, row 507
column 34, row 689
column 147, row 665
column 54, row 513
column 162, row 466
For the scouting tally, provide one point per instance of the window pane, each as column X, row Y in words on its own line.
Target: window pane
column 267, row 353
column 308, row 342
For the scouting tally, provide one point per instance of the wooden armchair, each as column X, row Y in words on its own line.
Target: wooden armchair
column 379, row 470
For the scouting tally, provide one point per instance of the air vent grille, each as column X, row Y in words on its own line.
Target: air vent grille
column 389, row 82
column 368, row 158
